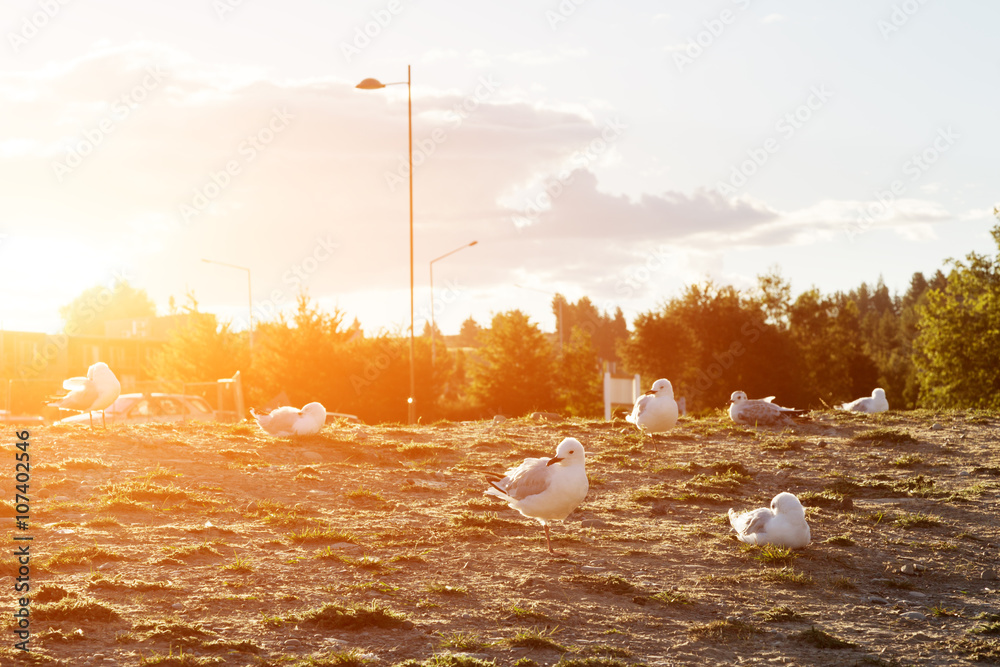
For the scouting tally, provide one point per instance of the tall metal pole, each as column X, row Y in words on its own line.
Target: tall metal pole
column 412, row 409
column 249, row 294
column 250, row 310
column 433, row 325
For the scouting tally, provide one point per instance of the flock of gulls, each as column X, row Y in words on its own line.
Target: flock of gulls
column 549, row 488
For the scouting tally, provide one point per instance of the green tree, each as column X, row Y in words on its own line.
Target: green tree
column 515, row 367
column 468, row 335
column 86, row 314
column 201, row 350
column 580, row 383
column 712, row 341
column 606, row 331
column 957, row 351
column 301, row 357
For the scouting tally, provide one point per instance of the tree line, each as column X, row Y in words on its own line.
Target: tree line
column 936, row 345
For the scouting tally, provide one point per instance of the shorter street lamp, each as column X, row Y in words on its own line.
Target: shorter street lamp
column 249, row 293
column 467, row 245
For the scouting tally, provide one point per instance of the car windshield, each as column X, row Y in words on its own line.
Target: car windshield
column 199, row 404
column 122, row 404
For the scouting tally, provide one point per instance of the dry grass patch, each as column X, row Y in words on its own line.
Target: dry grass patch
column 724, row 631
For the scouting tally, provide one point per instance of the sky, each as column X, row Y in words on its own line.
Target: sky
column 618, row 151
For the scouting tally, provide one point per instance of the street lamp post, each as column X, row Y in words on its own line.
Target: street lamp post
column 535, row 289
column 249, row 294
column 467, row 245
column 375, row 84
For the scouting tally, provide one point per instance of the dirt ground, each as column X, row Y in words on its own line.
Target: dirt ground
column 204, row 544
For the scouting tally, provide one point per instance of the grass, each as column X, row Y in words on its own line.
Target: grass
column 672, row 598
column 840, row 541
column 524, row 612
column 332, row 616
column 769, row 554
column 591, row 662
column 117, row 582
column 883, row 435
column 366, row 562
column 463, row 641
column 449, row 660
column 911, row 520
column 446, row 589
column 610, row 583
column 239, row 564
column 536, row 638
column 362, row 494
column 74, row 555
column 820, row 639
column 180, row 659
column 316, row 534
column 724, row 631
column 788, row 575
column 76, row 610
column 907, row 461
column 486, row 520
column 781, row 614
column 825, row 498
column 986, row 629
column 941, row 612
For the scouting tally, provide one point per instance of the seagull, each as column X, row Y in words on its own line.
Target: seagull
column 874, row 403
column 97, row 391
column 759, row 411
column 546, row 489
column 287, row 421
column 783, row 524
column 656, row 410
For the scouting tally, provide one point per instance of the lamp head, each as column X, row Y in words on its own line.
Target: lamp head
column 370, row 84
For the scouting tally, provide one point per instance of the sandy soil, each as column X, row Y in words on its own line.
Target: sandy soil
column 203, row 544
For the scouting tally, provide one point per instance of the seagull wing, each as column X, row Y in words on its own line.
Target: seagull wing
column 280, row 422
column 750, row 523
column 82, row 394
column 758, row 412
column 640, row 407
column 528, row 479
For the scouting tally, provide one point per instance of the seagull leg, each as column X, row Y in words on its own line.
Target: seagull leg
column 91, row 419
column 548, row 541
column 103, row 423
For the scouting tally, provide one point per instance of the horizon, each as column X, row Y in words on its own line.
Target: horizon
column 614, row 153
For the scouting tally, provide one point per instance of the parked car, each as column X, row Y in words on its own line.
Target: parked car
column 142, row 408
column 20, row 420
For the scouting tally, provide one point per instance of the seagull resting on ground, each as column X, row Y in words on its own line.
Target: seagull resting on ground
column 97, row 391
column 874, row 403
column 656, row 410
column 546, row 489
column 759, row 411
column 783, row 524
column 287, row 421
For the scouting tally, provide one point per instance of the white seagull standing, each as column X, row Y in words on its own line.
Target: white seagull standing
column 546, row 489
column 656, row 410
column 759, row 411
column 97, row 391
column 783, row 524
column 287, row 421
column 874, row 403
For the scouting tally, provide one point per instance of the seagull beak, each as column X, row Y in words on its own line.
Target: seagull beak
column 647, row 393
column 554, row 459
